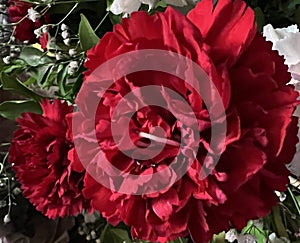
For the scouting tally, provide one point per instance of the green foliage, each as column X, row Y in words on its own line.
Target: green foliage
column 279, row 13
column 87, row 36
column 12, row 109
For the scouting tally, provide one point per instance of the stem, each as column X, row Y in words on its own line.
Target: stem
column 101, row 22
column 68, row 14
column 294, row 200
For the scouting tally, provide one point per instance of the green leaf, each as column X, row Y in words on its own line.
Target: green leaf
column 34, row 57
column 293, row 4
column 87, row 36
column 219, row 238
column 12, row 109
column 115, row 19
column 280, row 229
column 259, row 18
column 61, row 76
column 12, row 83
column 114, row 235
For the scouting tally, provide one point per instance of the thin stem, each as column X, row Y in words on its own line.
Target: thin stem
column 294, row 200
column 68, row 14
column 101, row 22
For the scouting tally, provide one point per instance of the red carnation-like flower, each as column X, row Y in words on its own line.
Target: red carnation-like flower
column 24, row 31
column 39, row 153
column 261, row 131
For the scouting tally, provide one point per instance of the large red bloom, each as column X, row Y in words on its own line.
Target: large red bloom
column 39, row 153
column 24, row 31
column 261, row 132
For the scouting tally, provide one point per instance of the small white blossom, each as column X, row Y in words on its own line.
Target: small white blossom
column 65, row 34
column 67, row 41
column 64, row 27
column 73, row 66
column 33, row 15
column 38, row 32
column 231, row 235
column 6, row 219
column 274, row 239
column 72, row 52
column 280, row 195
column 58, row 56
column 247, row 238
column 6, row 59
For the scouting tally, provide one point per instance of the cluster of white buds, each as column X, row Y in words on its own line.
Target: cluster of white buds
column 72, row 68
column 33, row 15
column 65, row 34
column 14, row 52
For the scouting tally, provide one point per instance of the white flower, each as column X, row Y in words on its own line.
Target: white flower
column 286, row 41
column 72, row 52
column 33, row 15
column 129, row 6
column 231, row 235
column 64, row 27
column 67, row 41
column 6, row 59
column 65, row 34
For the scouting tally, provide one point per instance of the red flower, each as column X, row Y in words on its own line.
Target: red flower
column 261, row 132
column 39, row 153
column 24, row 31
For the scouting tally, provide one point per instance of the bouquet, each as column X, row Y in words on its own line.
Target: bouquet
column 149, row 121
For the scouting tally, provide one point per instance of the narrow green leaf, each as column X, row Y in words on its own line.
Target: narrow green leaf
column 12, row 109
column 12, row 83
column 87, row 36
column 61, row 76
column 281, row 231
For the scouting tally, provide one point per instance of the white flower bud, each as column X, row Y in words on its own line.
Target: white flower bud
column 6, row 59
column 65, row 34
column 231, row 235
column 6, row 219
column 33, row 15
column 58, row 56
column 72, row 52
column 67, row 42
column 64, row 27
